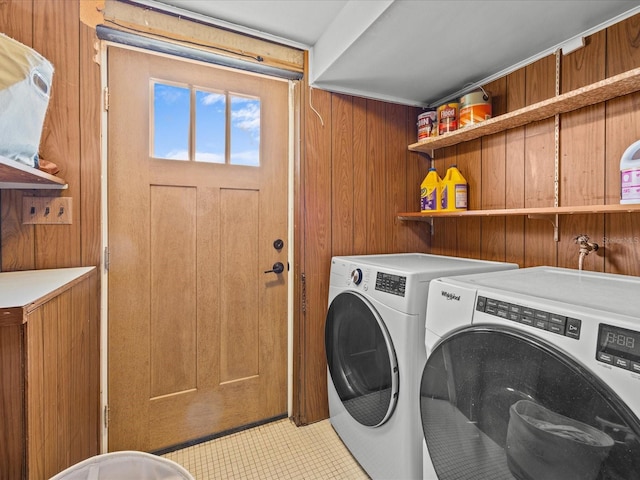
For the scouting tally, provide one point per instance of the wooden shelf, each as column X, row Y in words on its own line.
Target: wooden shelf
column 542, row 211
column 623, row 84
column 16, row 175
column 613, row 87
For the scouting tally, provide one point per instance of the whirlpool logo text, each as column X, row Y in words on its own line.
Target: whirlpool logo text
column 450, row 296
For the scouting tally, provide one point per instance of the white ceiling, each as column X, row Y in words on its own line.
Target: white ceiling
column 414, row 52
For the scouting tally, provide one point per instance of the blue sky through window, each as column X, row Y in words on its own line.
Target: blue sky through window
column 171, row 105
column 171, row 125
column 245, row 131
column 210, row 126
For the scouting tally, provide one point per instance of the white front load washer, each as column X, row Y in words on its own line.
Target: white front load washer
column 532, row 374
column 374, row 339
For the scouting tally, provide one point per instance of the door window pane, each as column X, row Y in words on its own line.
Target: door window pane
column 210, row 127
column 204, row 126
column 245, row 131
column 170, row 128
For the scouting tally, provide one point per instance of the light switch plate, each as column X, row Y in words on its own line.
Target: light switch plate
column 47, row 211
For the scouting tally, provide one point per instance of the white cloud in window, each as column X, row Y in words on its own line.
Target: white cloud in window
column 170, row 94
column 248, row 117
column 176, row 155
column 212, row 99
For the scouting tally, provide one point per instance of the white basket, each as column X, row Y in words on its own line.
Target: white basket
column 125, row 465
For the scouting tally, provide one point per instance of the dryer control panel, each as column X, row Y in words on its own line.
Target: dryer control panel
column 389, row 283
column 542, row 319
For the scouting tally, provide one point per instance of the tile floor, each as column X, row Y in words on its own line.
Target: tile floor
column 275, row 451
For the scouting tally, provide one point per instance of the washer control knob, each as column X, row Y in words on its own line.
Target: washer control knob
column 356, row 276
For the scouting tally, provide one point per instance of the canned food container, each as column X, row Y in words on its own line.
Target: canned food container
column 475, row 107
column 427, row 124
column 448, row 117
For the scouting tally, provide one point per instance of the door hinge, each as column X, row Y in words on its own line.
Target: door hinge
column 105, row 99
column 303, row 280
column 106, row 259
column 106, row 416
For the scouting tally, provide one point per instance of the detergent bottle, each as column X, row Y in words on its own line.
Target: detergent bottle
column 430, row 192
column 630, row 174
column 454, row 190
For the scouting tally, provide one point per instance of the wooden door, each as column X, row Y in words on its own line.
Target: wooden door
column 197, row 329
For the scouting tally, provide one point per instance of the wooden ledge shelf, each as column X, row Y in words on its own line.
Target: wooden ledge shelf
column 616, row 86
column 506, row 212
column 550, row 214
column 16, row 175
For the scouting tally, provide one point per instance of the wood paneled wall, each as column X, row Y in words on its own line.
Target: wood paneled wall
column 516, row 168
column 357, row 174
column 70, row 138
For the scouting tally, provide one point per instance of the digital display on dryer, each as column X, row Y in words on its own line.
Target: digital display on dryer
column 619, row 347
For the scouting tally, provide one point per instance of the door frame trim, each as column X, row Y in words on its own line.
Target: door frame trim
column 122, row 38
column 104, row 277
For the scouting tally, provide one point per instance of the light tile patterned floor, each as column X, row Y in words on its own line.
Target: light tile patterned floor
column 275, row 451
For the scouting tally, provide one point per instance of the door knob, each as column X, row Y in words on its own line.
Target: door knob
column 278, row 267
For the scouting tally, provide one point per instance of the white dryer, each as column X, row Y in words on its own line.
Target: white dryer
column 532, row 374
column 374, row 339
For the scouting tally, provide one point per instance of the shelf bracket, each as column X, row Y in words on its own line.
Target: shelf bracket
column 553, row 219
column 429, row 157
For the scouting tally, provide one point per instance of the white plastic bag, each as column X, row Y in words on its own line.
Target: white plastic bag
column 25, row 89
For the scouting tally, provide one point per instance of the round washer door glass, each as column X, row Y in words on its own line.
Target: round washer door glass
column 501, row 404
column 361, row 359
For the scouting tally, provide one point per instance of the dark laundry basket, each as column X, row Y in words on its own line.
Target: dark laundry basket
column 544, row 445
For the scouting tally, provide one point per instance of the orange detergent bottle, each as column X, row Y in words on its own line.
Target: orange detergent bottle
column 454, row 190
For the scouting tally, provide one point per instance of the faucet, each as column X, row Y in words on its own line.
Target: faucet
column 585, row 247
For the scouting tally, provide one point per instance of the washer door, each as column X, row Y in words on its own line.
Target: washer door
column 500, row 404
column 361, row 359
